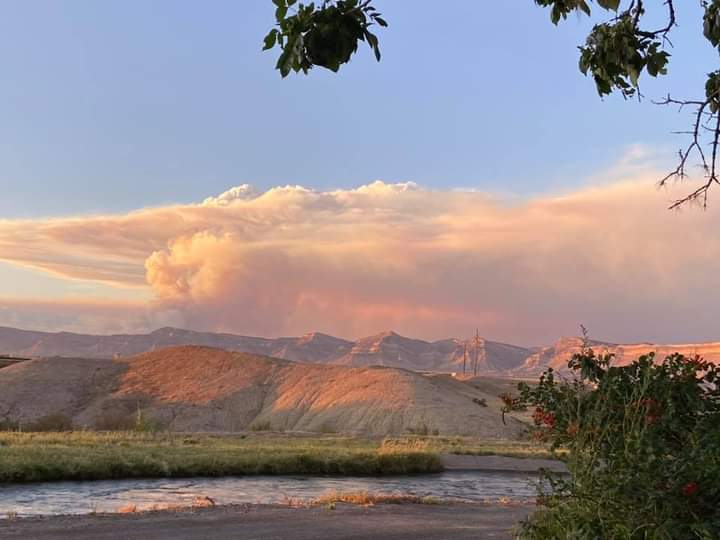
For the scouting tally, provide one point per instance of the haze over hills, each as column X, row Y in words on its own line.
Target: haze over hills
column 385, row 349
column 192, row 388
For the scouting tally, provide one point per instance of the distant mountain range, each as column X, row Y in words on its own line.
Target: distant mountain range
column 385, row 349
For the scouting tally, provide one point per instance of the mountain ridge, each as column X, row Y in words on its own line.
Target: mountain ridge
column 387, row 348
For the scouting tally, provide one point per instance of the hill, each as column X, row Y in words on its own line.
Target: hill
column 192, row 388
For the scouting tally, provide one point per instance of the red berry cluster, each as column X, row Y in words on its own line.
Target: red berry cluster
column 690, row 489
column 542, row 417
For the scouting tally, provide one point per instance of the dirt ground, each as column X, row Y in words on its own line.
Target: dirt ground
column 258, row 522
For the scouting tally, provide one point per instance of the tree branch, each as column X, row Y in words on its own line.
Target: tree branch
column 663, row 31
column 695, row 148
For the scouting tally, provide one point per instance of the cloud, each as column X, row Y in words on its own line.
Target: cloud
column 82, row 315
column 426, row 263
column 242, row 192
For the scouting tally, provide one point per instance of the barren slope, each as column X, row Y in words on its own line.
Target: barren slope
column 203, row 389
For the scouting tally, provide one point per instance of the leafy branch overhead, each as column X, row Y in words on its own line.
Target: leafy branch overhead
column 326, row 35
column 616, row 54
column 618, row 51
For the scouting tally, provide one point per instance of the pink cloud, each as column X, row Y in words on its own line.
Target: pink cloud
column 426, row 263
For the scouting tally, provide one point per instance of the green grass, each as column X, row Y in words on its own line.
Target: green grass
column 40, row 457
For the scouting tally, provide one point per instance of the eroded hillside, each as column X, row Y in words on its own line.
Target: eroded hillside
column 194, row 388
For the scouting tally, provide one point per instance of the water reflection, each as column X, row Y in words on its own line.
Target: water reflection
column 108, row 496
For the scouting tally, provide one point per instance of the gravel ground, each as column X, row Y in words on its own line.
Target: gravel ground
column 345, row 522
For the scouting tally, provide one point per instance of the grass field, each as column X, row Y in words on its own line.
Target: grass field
column 39, row 457
column 36, row 457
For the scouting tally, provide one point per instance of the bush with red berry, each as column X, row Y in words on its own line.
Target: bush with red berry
column 642, row 445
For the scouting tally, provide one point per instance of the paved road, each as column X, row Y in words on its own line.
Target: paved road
column 382, row 522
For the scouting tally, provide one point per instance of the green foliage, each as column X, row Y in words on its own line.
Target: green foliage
column 712, row 91
column 618, row 51
column 711, row 22
column 616, row 55
column 560, row 9
column 326, row 35
column 643, row 449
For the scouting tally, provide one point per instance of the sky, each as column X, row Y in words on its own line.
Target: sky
column 156, row 170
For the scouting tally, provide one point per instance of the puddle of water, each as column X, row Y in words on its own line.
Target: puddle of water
column 108, row 496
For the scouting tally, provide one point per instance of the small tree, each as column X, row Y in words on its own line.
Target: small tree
column 643, row 449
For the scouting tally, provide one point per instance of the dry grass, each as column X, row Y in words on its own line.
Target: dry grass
column 200, row 501
column 467, row 446
column 364, row 498
column 127, row 509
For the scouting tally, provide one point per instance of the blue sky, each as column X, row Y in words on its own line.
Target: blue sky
column 118, row 117
column 111, row 106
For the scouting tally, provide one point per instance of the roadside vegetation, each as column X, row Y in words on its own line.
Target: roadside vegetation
column 642, row 443
column 39, row 457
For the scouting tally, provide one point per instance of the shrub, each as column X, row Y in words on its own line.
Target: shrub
column 261, row 426
column 643, row 442
column 9, row 425
column 122, row 420
column 144, row 424
column 50, row 422
column 115, row 421
column 422, row 430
